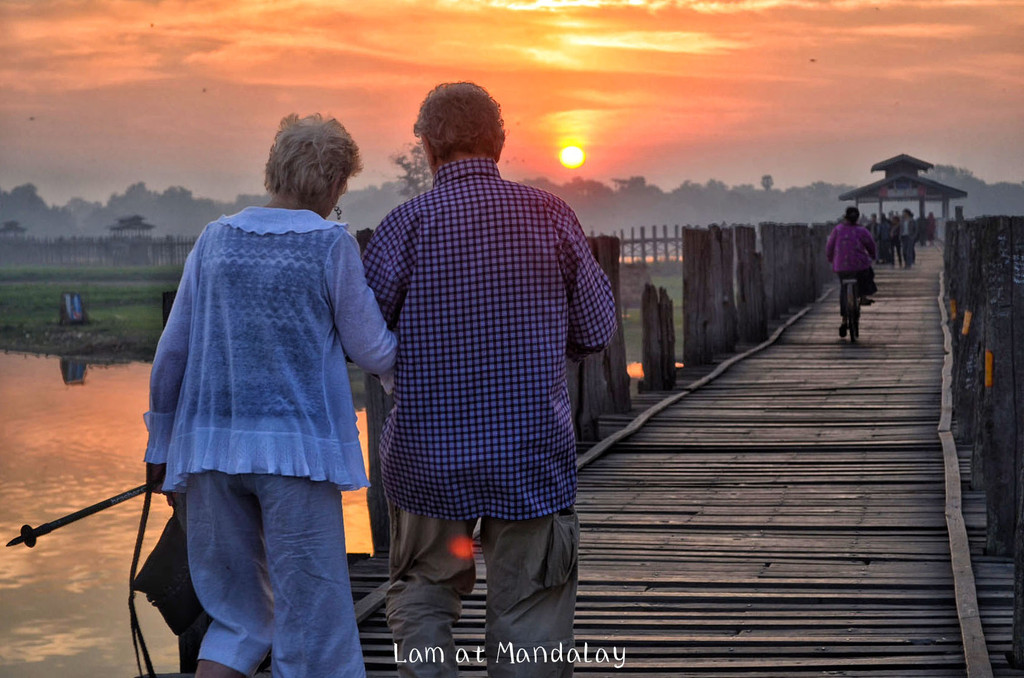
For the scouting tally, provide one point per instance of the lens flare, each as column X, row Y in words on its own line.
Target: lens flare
column 461, row 547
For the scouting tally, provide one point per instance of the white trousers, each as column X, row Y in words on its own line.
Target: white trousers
column 268, row 562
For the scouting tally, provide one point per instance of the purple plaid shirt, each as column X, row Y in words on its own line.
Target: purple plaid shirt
column 490, row 286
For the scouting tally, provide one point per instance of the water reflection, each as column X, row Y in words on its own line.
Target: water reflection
column 72, row 371
column 64, row 447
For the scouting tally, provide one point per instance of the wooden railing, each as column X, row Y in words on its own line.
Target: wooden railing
column 718, row 313
column 984, row 275
column 732, row 289
column 645, row 245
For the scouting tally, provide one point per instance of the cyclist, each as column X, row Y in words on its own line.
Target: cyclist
column 851, row 249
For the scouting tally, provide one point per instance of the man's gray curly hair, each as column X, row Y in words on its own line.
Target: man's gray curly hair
column 309, row 154
column 461, row 117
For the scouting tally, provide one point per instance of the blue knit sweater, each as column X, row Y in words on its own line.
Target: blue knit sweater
column 249, row 375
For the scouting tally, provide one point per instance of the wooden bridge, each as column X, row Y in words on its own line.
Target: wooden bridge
column 792, row 511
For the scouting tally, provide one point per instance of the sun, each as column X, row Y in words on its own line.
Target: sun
column 572, row 157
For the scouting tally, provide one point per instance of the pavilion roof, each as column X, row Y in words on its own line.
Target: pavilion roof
column 132, row 223
column 905, row 187
column 901, row 164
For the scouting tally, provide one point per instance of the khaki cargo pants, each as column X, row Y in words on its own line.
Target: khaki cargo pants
column 531, row 594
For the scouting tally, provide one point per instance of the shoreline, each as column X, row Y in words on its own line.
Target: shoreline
column 104, row 351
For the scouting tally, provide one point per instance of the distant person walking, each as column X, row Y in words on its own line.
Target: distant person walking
column 490, row 285
column 930, row 226
column 897, row 241
column 883, row 239
column 908, row 237
column 251, row 414
column 851, row 250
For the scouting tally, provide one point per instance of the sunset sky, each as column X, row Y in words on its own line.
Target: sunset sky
column 100, row 94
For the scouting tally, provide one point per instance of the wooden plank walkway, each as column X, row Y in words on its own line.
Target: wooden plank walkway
column 787, row 519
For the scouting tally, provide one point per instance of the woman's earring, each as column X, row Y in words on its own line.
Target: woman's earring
column 337, row 212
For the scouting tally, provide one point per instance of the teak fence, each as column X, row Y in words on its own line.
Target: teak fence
column 108, row 251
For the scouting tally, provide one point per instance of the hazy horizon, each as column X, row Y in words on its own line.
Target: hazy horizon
column 102, row 94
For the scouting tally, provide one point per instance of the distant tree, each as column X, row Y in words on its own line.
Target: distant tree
column 982, row 197
column 767, row 182
column 25, row 198
column 24, row 205
column 416, row 176
column 636, row 186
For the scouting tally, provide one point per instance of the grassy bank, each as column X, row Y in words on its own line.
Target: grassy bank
column 92, row 274
column 123, row 306
column 124, row 309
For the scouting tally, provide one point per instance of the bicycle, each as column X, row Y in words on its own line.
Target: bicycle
column 849, row 302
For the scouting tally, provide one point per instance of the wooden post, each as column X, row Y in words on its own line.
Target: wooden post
column 727, row 302
column 797, row 247
column 1016, row 252
column 750, row 303
column 378, row 406
column 715, row 294
column 805, row 266
column 696, row 317
column 659, row 360
column 998, row 426
column 607, row 250
column 790, row 267
column 602, row 382
column 643, row 245
column 668, row 339
column 967, row 357
column 651, row 344
column 825, row 274
column 768, row 266
column 167, row 298
column 958, row 257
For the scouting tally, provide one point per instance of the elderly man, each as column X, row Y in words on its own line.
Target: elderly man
column 490, row 286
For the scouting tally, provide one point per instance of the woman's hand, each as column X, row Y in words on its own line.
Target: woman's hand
column 155, row 474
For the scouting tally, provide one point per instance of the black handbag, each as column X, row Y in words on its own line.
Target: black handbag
column 166, row 581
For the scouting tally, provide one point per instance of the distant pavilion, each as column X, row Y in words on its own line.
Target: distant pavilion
column 12, row 229
column 902, row 183
column 131, row 227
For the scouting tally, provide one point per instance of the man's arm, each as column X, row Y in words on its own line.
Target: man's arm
column 388, row 262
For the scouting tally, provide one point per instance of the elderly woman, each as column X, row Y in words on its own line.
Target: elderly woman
column 251, row 413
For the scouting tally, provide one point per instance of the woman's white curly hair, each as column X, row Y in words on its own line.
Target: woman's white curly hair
column 309, row 154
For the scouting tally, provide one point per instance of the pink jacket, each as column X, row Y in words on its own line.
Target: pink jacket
column 850, row 248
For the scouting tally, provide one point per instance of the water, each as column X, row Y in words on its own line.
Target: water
column 64, row 446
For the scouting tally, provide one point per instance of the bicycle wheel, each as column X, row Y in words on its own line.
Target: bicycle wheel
column 854, row 311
